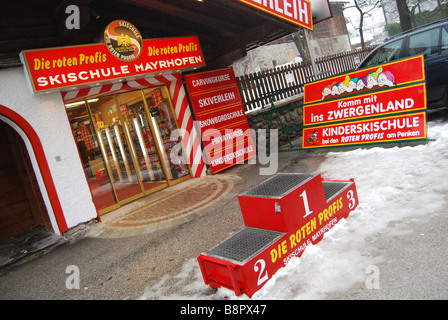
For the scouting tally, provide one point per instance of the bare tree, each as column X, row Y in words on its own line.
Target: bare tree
column 364, row 7
column 409, row 10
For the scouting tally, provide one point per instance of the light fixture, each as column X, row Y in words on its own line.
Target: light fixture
column 75, row 104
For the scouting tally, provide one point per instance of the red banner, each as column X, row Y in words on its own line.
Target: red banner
column 388, row 129
column 68, row 67
column 405, row 99
column 297, row 12
column 220, row 116
column 361, row 81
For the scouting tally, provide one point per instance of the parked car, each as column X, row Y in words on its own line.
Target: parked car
column 430, row 40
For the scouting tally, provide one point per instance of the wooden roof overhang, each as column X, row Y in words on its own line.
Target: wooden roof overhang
column 226, row 29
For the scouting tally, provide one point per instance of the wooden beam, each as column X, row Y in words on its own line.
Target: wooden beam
column 23, row 32
column 244, row 38
column 229, row 58
column 30, row 43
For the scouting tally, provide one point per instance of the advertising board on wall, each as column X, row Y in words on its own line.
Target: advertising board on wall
column 385, row 103
column 123, row 55
column 219, row 112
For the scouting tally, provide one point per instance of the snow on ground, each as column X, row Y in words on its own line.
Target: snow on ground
column 393, row 184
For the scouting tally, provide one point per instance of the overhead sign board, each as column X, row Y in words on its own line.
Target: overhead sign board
column 219, row 112
column 385, row 103
column 297, row 12
column 123, row 56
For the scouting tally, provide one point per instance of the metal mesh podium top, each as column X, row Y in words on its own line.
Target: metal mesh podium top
column 244, row 244
column 332, row 188
column 278, row 185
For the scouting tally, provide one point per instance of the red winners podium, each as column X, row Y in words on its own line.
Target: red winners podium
column 282, row 216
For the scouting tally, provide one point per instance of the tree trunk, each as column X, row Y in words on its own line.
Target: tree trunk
column 361, row 24
column 405, row 15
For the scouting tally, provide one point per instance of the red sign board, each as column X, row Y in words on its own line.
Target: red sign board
column 389, row 129
column 220, row 116
column 378, row 104
column 405, row 99
column 67, row 67
column 358, row 82
column 297, row 12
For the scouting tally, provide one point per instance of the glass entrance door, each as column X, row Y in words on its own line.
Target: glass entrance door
column 141, row 139
column 116, row 150
column 126, row 145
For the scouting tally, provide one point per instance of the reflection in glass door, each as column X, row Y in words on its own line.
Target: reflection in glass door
column 141, row 139
column 164, row 123
column 91, row 156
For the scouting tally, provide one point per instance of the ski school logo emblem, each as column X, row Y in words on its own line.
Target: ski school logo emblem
column 123, row 40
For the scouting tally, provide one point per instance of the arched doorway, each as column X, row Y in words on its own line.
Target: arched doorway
column 21, row 204
column 59, row 225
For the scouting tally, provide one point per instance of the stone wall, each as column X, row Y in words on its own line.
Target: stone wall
column 265, row 58
column 290, row 117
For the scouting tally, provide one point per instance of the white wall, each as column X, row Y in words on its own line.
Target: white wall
column 46, row 114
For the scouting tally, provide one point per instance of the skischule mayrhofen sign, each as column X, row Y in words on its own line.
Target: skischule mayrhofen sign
column 385, row 103
column 123, row 55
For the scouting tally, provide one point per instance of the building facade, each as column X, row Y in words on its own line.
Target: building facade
column 92, row 147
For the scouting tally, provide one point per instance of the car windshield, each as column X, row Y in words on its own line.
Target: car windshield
column 386, row 53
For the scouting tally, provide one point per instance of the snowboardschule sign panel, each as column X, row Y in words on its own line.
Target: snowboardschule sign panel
column 386, row 103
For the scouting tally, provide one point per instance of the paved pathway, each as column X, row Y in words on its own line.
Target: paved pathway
column 164, row 209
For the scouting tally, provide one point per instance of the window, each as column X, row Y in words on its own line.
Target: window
column 444, row 44
column 389, row 52
column 426, row 43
